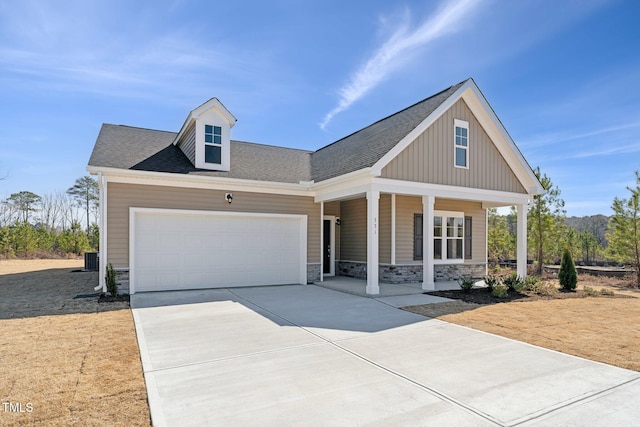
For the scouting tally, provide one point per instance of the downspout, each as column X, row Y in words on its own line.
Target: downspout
column 102, row 249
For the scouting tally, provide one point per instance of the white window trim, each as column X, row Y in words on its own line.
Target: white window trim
column 445, row 215
column 465, row 125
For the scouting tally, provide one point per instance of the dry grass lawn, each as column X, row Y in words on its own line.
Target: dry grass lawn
column 597, row 328
column 70, row 360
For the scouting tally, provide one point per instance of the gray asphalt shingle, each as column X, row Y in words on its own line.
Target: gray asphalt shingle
column 132, row 148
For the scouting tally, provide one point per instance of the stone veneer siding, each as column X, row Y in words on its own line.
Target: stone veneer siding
column 313, row 273
column 412, row 272
column 122, row 280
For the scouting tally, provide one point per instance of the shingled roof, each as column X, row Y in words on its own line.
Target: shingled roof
column 365, row 147
column 126, row 147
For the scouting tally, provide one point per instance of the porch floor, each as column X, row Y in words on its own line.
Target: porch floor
column 355, row 286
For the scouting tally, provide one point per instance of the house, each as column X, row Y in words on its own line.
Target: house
column 402, row 200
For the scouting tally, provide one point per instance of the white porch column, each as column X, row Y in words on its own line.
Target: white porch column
column 521, row 251
column 428, row 280
column 393, row 229
column 322, row 241
column 373, row 198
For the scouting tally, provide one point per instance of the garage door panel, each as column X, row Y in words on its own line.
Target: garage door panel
column 187, row 250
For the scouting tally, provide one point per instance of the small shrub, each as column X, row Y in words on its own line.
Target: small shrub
column 530, row 283
column 112, row 286
column 500, row 290
column 491, row 281
column 606, row 292
column 545, row 288
column 466, row 283
column 514, row 282
column 589, row 290
column 568, row 276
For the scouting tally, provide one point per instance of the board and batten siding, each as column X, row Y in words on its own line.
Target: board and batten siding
column 188, row 143
column 123, row 196
column 430, row 157
column 407, row 207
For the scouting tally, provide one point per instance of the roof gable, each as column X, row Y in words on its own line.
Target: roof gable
column 367, row 146
column 480, row 108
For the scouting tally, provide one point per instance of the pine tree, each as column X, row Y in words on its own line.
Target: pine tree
column 568, row 276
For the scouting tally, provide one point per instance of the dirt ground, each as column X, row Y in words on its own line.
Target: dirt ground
column 601, row 328
column 65, row 359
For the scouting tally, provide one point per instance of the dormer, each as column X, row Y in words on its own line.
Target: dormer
column 205, row 136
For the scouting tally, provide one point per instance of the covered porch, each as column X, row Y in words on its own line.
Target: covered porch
column 402, row 230
column 354, row 286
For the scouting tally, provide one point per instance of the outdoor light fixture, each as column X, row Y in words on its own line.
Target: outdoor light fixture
column 228, row 197
column 337, row 221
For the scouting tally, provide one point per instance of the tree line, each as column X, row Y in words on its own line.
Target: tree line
column 615, row 240
column 34, row 225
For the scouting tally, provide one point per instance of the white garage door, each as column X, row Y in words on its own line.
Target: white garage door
column 174, row 249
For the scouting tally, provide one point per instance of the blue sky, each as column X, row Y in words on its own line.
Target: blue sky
column 563, row 76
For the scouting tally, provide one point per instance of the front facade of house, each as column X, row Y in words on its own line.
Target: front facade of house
column 402, row 200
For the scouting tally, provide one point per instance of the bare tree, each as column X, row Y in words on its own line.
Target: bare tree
column 68, row 211
column 51, row 210
column 7, row 214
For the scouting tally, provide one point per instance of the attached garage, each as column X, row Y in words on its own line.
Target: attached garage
column 179, row 249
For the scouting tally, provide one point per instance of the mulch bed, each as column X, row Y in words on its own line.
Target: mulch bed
column 483, row 297
column 109, row 298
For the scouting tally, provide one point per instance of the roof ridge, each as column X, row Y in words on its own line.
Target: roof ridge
column 138, row 127
column 271, row 145
column 391, row 115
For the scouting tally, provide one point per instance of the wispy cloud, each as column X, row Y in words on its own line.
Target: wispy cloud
column 398, row 47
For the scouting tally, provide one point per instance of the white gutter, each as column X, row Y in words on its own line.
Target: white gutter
column 102, row 252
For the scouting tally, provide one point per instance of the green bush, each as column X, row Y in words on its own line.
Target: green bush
column 112, row 286
column 500, row 290
column 568, row 276
column 514, row 282
column 491, row 281
column 466, row 283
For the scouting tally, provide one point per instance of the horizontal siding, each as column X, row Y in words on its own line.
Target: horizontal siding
column 407, row 207
column 430, row 157
column 120, row 197
column 353, row 230
column 384, row 242
column 188, row 143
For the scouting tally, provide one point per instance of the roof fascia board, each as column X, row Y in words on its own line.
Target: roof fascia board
column 504, row 143
column 479, row 106
column 202, row 182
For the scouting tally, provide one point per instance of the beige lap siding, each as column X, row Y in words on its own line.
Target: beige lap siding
column 123, row 196
column 407, row 207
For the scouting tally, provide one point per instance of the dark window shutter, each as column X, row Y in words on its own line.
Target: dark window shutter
column 417, row 236
column 467, row 237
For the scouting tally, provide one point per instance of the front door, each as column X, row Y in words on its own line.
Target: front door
column 326, row 246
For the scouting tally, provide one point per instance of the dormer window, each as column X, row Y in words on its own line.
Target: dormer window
column 205, row 136
column 213, row 144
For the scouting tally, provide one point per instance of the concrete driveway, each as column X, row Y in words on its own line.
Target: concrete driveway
column 305, row 355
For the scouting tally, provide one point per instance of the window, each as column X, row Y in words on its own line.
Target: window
column 212, row 144
column 451, row 236
column 461, row 145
